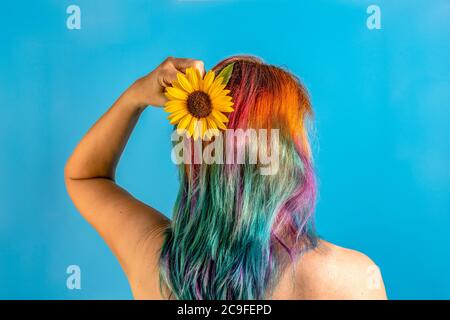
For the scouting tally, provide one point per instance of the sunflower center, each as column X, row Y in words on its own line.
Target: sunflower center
column 199, row 104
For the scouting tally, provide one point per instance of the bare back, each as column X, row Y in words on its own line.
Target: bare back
column 328, row 272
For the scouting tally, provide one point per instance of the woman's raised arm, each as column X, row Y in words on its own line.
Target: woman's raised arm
column 131, row 228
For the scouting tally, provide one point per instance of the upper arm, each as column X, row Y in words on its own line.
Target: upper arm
column 133, row 230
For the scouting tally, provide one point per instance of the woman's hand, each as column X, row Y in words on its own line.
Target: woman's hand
column 149, row 90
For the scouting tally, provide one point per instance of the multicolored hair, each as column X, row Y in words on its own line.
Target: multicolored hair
column 234, row 230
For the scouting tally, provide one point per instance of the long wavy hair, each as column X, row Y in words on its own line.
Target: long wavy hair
column 235, row 230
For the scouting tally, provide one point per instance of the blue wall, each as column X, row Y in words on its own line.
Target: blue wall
column 381, row 98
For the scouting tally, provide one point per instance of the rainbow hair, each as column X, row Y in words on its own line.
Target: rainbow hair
column 233, row 229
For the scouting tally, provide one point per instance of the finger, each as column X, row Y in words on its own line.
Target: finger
column 182, row 64
column 168, row 76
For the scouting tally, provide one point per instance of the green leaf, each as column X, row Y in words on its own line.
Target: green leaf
column 226, row 73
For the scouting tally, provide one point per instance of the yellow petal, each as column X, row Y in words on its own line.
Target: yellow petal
column 208, row 80
column 184, row 82
column 216, row 91
column 211, row 123
column 174, row 114
column 223, row 104
column 219, row 124
column 224, row 108
column 183, row 124
column 193, row 75
column 176, row 94
column 205, row 127
column 217, row 115
column 176, row 117
column 177, row 85
column 212, row 127
column 173, row 110
column 171, row 103
column 221, row 99
column 191, row 127
column 217, row 82
column 175, row 105
column 197, row 129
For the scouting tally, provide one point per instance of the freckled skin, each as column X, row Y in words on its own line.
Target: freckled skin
column 134, row 230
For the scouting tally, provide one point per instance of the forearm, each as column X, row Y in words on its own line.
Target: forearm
column 98, row 153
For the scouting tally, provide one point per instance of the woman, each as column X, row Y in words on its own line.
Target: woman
column 236, row 233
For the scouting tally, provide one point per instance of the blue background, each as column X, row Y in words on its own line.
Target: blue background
column 381, row 99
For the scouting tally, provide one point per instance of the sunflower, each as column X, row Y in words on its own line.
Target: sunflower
column 197, row 105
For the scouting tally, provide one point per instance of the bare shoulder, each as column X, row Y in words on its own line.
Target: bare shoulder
column 333, row 272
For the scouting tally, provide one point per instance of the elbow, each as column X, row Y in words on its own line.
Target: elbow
column 70, row 173
column 70, row 180
column 67, row 171
column 67, row 177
